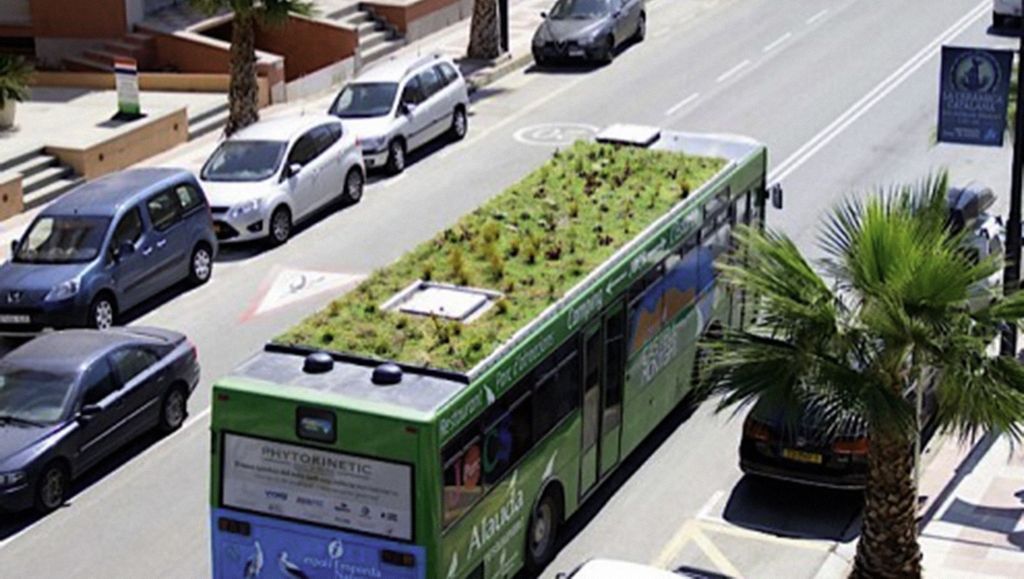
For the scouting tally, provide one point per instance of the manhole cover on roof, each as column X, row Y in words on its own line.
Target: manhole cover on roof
column 462, row 304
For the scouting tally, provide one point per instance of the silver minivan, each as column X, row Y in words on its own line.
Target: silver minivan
column 399, row 105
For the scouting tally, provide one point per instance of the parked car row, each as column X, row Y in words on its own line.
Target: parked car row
column 115, row 242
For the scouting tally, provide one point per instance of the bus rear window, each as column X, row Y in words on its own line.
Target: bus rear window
column 317, row 486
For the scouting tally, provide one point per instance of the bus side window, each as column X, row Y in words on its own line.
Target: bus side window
column 557, row 392
column 508, row 436
column 463, row 483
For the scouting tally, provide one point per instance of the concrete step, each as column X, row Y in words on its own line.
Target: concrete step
column 380, row 51
column 123, row 48
column 138, row 38
column 35, row 165
column 86, row 64
column 50, row 192
column 368, row 27
column 341, row 13
column 376, row 38
column 209, row 124
column 9, row 164
column 103, row 55
column 44, row 177
column 356, row 19
column 211, row 112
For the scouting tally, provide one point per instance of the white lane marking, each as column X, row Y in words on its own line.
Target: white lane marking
column 733, row 71
column 778, row 42
column 97, row 484
column 868, row 101
column 682, row 104
column 817, row 16
column 710, row 505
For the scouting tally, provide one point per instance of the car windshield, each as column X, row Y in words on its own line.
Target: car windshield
column 367, row 99
column 244, row 161
column 579, row 9
column 62, row 239
column 33, row 396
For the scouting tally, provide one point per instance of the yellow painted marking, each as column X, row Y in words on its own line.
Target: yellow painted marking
column 725, row 528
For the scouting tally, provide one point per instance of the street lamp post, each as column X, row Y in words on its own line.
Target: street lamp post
column 1011, row 275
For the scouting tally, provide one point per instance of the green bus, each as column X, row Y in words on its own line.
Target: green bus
column 445, row 418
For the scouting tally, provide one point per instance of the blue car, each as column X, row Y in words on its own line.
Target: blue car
column 105, row 247
column 68, row 399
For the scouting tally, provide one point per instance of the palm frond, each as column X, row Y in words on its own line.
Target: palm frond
column 986, row 394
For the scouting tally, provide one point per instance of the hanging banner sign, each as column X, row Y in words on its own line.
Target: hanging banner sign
column 973, row 95
column 126, row 79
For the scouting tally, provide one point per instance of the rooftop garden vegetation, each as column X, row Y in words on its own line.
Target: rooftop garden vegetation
column 533, row 243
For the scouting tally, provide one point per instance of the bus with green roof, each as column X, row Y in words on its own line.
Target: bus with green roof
column 444, row 418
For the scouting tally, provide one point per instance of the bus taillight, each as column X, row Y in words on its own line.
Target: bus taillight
column 397, row 558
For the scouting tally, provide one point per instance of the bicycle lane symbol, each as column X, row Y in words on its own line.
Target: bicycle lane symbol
column 555, row 134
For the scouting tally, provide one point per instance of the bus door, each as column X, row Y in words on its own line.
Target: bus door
column 603, row 375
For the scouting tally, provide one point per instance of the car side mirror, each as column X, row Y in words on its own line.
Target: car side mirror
column 293, row 169
column 617, row 13
column 408, row 108
column 776, row 194
column 14, row 247
column 124, row 250
column 88, row 411
column 544, row 15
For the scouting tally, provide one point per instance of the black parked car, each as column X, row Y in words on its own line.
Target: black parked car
column 815, row 447
column 588, row 29
column 68, row 399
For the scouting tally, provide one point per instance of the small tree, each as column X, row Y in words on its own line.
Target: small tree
column 15, row 74
column 243, row 93
column 895, row 307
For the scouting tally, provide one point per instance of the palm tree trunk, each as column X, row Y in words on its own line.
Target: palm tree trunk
column 243, row 93
column 888, row 541
column 484, row 36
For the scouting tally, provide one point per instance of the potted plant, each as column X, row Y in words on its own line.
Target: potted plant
column 14, row 77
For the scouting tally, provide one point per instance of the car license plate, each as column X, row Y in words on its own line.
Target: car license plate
column 575, row 52
column 801, row 456
column 14, row 319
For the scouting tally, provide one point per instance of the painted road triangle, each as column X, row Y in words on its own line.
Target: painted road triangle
column 289, row 286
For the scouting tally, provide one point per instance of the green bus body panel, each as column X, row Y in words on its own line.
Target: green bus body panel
column 492, row 531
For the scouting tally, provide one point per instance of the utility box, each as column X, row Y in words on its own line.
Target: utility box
column 11, row 201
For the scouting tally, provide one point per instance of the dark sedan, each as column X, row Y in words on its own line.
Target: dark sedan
column 588, row 30
column 68, row 399
column 813, row 447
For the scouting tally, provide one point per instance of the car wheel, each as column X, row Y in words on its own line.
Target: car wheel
column 51, row 488
column 542, row 534
column 641, row 28
column 396, row 157
column 173, row 410
column 102, row 313
column 280, row 225
column 354, row 182
column 201, row 265
column 539, row 60
column 608, row 52
column 460, row 124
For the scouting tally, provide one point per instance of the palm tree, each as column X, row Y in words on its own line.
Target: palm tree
column 484, row 35
column 889, row 304
column 243, row 92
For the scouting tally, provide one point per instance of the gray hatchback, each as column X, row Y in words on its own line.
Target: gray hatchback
column 104, row 248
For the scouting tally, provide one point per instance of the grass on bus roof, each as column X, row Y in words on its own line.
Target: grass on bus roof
column 533, row 243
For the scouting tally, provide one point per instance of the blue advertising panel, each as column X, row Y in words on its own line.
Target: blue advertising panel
column 249, row 546
column 973, row 95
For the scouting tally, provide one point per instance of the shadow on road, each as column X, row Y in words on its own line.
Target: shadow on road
column 623, row 473
column 13, row 523
column 792, row 510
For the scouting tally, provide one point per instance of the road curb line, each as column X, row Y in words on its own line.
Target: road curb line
column 479, row 81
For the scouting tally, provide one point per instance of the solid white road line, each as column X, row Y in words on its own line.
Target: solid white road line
column 868, row 101
column 682, row 104
column 733, row 71
column 775, row 44
column 817, row 16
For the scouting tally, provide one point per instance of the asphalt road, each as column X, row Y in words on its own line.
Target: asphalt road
column 843, row 92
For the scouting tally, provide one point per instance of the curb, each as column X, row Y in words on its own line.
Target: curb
column 487, row 76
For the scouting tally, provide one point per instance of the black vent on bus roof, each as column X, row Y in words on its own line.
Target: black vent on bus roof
column 318, row 363
column 387, row 374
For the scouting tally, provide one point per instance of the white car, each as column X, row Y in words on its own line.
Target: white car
column 1006, row 13
column 610, row 569
column 402, row 104
column 266, row 177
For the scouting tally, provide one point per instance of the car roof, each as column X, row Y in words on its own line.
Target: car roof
column 106, row 195
column 69, row 350
column 396, row 69
column 612, row 569
column 282, row 128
